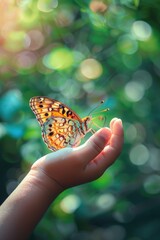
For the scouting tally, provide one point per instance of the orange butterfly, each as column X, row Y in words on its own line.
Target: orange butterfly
column 61, row 127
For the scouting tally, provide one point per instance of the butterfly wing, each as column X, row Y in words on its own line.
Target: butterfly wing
column 61, row 132
column 44, row 108
column 61, row 126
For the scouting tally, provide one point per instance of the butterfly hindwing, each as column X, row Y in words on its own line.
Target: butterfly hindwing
column 60, row 132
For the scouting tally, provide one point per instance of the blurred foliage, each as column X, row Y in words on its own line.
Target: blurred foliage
column 80, row 52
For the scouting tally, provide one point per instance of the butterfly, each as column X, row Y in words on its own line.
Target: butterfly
column 61, row 127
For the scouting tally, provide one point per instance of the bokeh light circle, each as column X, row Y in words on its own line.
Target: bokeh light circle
column 59, row 58
column 47, row 5
column 91, row 68
column 141, row 30
column 139, row 154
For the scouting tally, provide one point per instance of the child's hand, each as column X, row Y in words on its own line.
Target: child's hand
column 73, row 166
column 53, row 173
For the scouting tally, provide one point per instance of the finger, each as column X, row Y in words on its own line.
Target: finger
column 116, row 140
column 110, row 152
column 93, row 146
column 112, row 122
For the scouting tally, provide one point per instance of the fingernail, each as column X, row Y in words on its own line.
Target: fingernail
column 119, row 120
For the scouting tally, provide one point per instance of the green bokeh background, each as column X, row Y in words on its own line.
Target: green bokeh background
column 81, row 52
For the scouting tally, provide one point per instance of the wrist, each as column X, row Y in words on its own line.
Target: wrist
column 38, row 178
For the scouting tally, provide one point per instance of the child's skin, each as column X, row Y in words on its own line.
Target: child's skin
column 52, row 174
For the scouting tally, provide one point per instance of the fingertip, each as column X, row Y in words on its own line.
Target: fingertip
column 117, row 139
column 119, row 121
column 112, row 122
column 116, row 122
column 118, row 127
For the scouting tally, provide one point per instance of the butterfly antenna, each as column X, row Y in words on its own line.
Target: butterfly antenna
column 101, row 102
column 104, row 110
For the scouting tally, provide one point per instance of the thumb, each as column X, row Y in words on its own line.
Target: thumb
column 94, row 145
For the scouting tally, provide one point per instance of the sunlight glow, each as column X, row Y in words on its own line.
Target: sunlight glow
column 70, row 203
column 141, row 30
column 60, row 58
column 91, row 68
column 134, row 91
column 139, row 154
column 106, row 201
column 47, row 6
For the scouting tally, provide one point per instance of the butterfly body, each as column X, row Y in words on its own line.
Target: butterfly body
column 61, row 127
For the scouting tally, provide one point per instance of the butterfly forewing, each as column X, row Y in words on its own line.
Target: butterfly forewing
column 44, row 108
column 61, row 127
